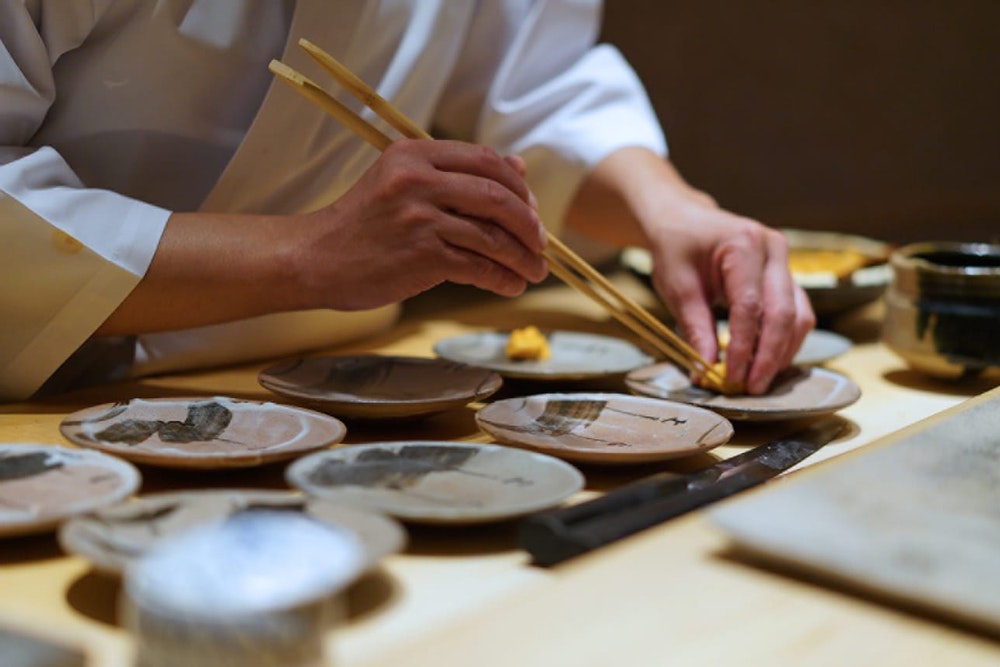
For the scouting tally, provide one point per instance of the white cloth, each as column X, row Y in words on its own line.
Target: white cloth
column 114, row 113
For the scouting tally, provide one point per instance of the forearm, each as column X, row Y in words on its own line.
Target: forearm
column 625, row 199
column 211, row 268
column 426, row 212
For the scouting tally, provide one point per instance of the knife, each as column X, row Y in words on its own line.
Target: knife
column 557, row 535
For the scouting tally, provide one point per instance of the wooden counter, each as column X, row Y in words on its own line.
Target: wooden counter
column 464, row 596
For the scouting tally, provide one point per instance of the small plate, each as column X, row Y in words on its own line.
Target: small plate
column 604, row 428
column 376, row 386
column 114, row 537
column 42, row 485
column 831, row 295
column 216, row 432
column 819, row 345
column 438, row 482
column 798, row 392
column 575, row 355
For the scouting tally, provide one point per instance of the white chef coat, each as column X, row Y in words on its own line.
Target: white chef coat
column 115, row 113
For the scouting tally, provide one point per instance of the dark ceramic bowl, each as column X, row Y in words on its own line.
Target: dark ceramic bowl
column 943, row 308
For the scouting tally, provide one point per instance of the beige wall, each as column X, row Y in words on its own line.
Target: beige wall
column 879, row 117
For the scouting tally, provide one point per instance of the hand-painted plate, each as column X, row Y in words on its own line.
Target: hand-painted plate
column 438, row 482
column 375, row 386
column 215, row 432
column 575, row 355
column 114, row 537
column 42, row 485
column 797, row 392
column 604, row 428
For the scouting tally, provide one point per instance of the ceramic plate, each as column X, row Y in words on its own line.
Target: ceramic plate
column 376, row 386
column 438, row 482
column 604, row 428
column 42, row 485
column 575, row 355
column 818, row 347
column 114, row 537
column 798, row 392
column 831, row 295
column 821, row 346
column 215, row 432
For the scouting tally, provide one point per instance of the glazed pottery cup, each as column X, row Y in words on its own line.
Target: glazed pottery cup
column 943, row 308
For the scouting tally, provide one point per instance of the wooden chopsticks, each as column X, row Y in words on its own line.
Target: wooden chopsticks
column 563, row 262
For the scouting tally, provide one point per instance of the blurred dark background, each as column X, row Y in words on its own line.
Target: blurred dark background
column 876, row 117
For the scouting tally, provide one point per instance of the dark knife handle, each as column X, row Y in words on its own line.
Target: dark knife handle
column 555, row 536
column 630, row 495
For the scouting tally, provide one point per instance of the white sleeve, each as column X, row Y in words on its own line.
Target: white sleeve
column 70, row 254
column 533, row 82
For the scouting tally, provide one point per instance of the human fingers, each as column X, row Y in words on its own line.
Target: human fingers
column 740, row 266
column 479, row 160
column 777, row 332
column 682, row 290
column 475, row 183
column 493, row 243
column 773, row 332
column 520, row 166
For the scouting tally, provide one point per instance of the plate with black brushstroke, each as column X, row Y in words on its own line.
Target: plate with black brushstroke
column 796, row 393
column 607, row 428
column 373, row 386
column 202, row 432
column 114, row 537
column 438, row 482
column 42, row 485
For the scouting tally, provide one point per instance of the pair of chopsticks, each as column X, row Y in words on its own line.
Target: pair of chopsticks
column 563, row 262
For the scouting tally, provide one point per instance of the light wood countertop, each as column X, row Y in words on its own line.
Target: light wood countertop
column 670, row 595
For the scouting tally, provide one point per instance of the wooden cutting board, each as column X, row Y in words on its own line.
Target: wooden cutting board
column 913, row 518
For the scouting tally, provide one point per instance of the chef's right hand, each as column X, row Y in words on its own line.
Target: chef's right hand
column 424, row 213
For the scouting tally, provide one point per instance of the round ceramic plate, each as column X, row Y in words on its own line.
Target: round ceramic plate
column 116, row 536
column 575, row 355
column 604, row 428
column 797, row 392
column 215, row 432
column 42, row 485
column 438, row 482
column 831, row 295
column 376, row 386
column 819, row 346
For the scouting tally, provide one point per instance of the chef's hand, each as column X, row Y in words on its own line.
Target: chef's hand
column 426, row 212
column 705, row 256
column 702, row 256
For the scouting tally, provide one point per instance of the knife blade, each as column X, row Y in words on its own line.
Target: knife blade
column 557, row 535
